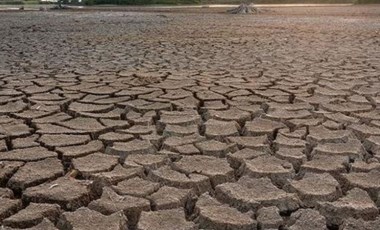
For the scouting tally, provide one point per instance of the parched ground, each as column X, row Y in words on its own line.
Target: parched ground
column 190, row 119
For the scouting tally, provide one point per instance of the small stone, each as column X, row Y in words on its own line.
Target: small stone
column 86, row 219
column 173, row 219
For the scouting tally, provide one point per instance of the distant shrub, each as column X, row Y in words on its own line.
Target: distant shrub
column 11, row 2
column 278, row 1
column 73, row 2
column 367, row 1
column 140, row 2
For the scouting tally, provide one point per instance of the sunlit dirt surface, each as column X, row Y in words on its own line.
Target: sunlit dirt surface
column 190, row 119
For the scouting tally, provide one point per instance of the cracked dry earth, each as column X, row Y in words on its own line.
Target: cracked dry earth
column 182, row 121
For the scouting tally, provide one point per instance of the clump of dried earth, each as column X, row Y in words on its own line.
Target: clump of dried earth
column 181, row 120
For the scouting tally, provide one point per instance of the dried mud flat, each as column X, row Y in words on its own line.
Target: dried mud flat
column 160, row 120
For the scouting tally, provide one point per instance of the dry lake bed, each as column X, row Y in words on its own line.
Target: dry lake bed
column 184, row 119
